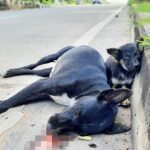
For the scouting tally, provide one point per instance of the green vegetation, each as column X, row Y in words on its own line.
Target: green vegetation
column 19, row 4
column 67, row 1
column 146, row 42
column 142, row 6
column 130, row 2
column 47, row 1
column 75, row 1
column 86, row 2
column 145, row 20
column 35, row 1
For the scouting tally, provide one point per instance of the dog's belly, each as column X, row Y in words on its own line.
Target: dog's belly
column 53, row 66
column 64, row 100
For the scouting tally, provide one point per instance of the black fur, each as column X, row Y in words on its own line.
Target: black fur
column 123, row 64
column 80, row 73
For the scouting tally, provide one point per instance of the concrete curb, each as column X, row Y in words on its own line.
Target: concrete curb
column 141, row 97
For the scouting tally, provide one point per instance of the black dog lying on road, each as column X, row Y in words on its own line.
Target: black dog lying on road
column 79, row 76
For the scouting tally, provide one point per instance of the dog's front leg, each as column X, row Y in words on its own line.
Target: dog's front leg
column 26, row 95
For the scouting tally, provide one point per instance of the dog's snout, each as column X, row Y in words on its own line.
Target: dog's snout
column 59, row 120
column 135, row 64
column 54, row 120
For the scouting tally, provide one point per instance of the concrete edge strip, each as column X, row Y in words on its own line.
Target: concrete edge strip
column 139, row 126
column 89, row 35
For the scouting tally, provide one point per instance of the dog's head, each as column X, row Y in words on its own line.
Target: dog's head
column 128, row 56
column 89, row 115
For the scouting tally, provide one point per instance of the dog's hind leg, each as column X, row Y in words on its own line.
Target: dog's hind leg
column 48, row 86
column 17, row 72
column 32, row 99
column 44, row 60
column 49, row 58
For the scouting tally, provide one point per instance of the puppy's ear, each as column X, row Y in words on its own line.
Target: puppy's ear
column 113, row 51
column 115, row 96
column 138, row 44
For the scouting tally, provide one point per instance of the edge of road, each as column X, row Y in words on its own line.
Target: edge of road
column 141, row 95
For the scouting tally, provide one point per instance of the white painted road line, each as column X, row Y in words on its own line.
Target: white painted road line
column 90, row 35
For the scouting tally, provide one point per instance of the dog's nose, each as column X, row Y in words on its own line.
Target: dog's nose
column 54, row 120
column 137, row 65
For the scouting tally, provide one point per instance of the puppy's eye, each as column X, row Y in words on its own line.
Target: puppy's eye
column 137, row 55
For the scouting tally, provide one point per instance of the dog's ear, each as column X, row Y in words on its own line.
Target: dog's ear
column 115, row 96
column 138, row 44
column 113, row 51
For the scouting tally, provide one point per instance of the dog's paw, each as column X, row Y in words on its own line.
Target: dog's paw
column 3, row 75
column 3, row 107
column 7, row 74
column 117, row 128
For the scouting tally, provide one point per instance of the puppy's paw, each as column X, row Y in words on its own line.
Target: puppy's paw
column 125, row 103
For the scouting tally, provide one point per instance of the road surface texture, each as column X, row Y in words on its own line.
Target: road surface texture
column 26, row 36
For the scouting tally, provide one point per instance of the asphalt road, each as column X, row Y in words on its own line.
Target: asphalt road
column 27, row 35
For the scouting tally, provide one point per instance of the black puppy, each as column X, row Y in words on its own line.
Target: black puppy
column 123, row 64
column 79, row 76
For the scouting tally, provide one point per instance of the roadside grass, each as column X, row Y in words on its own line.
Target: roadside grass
column 146, row 42
column 130, row 2
column 145, row 20
column 142, row 7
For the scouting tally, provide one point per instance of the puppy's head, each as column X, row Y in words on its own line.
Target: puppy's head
column 128, row 56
